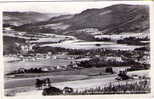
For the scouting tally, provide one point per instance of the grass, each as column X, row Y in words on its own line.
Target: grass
column 23, row 80
column 13, row 92
column 128, row 88
column 117, row 87
column 138, row 87
column 57, row 76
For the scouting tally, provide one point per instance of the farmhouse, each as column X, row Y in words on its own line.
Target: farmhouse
column 46, row 69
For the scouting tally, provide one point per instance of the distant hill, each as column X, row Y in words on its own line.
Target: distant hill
column 116, row 18
column 110, row 20
column 20, row 18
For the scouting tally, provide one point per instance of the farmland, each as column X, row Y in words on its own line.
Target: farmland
column 78, row 85
column 68, row 54
column 97, row 51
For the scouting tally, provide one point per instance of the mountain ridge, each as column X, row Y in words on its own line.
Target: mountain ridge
column 113, row 19
column 20, row 18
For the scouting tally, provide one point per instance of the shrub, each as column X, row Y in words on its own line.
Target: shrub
column 109, row 70
column 51, row 91
column 123, row 75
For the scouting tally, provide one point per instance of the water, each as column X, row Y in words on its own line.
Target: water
column 92, row 45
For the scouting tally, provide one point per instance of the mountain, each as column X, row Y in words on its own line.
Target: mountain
column 110, row 20
column 20, row 18
column 116, row 18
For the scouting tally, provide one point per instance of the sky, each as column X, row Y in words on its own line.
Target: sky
column 59, row 7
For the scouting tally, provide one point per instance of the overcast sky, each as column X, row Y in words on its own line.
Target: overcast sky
column 59, row 7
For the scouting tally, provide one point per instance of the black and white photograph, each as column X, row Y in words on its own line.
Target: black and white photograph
column 76, row 48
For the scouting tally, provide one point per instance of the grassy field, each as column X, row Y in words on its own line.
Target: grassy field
column 28, row 79
column 133, row 87
column 26, row 82
column 35, row 64
column 105, row 84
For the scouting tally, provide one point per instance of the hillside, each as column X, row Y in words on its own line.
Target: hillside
column 20, row 18
column 113, row 19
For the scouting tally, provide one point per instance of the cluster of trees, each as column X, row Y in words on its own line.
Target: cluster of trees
column 23, row 70
column 133, row 41
column 41, row 83
column 139, row 67
column 97, row 62
column 56, row 91
column 140, row 87
column 52, row 91
column 143, row 49
column 123, row 75
column 7, row 25
column 54, row 50
column 109, row 70
column 33, row 70
column 103, row 39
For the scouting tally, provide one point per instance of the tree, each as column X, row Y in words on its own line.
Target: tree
column 123, row 75
column 109, row 70
column 48, row 82
column 68, row 90
column 51, row 91
column 38, row 83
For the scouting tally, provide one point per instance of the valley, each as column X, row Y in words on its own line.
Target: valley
column 84, row 51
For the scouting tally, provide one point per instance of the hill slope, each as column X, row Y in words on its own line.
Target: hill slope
column 114, row 19
column 20, row 18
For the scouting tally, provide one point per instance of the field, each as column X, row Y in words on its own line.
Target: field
column 38, row 63
column 95, row 51
column 79, row 83
column 78, row 79
column 58, row 76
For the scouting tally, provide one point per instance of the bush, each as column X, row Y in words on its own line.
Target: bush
column 51, row 91
column 109, row 70
column 123, row 75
